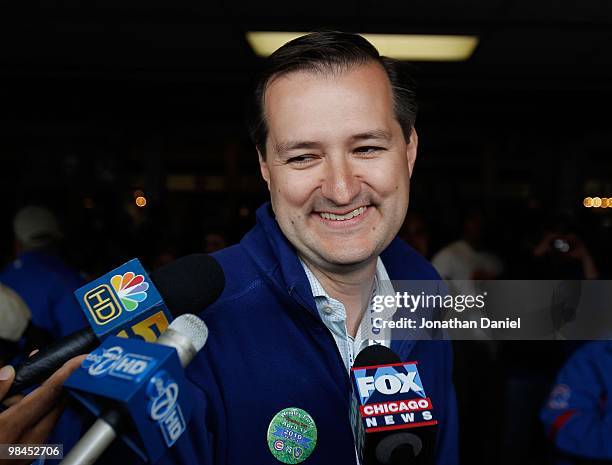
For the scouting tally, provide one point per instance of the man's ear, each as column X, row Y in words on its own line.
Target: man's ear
column 411, row 150
column 263, row 169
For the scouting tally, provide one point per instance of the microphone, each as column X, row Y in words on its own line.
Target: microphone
column 140, row 378
column 187, row 285
column 390, row 412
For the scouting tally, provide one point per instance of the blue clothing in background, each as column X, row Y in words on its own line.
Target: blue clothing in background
column 46, row 284
column 578, row 414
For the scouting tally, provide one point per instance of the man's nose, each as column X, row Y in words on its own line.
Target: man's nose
column 341, row 184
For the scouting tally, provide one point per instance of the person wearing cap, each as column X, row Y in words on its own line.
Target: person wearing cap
column 46, row 284
column 40, row 276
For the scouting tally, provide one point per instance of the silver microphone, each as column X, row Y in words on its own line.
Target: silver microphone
column 187, row 334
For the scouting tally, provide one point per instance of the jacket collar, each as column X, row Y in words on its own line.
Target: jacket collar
column 275, row 255
column 277, row 258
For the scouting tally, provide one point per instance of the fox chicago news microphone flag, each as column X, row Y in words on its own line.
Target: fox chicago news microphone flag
column 392, row 397
column 391, row 415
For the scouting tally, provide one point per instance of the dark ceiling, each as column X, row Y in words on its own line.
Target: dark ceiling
column 132, row 76
column 203, row 42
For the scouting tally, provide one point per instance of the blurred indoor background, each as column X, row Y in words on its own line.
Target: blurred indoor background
column 126, row 118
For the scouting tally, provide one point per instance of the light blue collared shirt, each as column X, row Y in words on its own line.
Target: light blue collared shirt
column 333, row 315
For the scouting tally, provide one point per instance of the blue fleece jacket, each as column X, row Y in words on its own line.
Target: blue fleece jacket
column 268, row 350
column 578, row 414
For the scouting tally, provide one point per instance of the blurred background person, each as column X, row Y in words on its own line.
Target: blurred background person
column 460, row 263
column 40, row 276
column 553, row 252
column 578, row 413
column 46, row 283
column 14, row 319
column 466, row 259
column 561, row 254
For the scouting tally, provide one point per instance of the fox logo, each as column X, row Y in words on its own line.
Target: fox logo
column 388, row 381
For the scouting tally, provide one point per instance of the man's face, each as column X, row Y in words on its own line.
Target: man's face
column 337, row 164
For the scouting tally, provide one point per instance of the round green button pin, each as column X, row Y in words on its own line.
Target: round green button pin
column 292, row 435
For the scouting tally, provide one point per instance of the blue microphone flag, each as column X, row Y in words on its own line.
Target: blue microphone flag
column 124, row 302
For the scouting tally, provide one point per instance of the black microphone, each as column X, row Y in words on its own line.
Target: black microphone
column 187, row 285
column 390, row 412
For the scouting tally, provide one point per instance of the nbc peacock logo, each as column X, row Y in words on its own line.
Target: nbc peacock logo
column 131, row 289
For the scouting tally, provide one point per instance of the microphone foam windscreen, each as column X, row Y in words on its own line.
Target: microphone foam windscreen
column 191, row 327
column 189, row 284
column 375, row 355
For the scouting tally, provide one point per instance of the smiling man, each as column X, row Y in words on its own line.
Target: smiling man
column 334, row 130
column 338, row 167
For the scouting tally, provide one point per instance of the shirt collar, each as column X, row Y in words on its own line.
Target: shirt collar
column 382, row 283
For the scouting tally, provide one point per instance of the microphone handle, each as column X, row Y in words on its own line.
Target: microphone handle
column 96, row 440
column 47, row 361
column 105, row 430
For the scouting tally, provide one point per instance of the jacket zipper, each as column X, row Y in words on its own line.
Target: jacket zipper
column 328, row 333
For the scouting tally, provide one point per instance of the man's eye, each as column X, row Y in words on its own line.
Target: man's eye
column 369, row 149
column 301, row 159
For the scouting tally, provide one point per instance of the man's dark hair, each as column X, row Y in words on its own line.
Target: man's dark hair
column 330, row 52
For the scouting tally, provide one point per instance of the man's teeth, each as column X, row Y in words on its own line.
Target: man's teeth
column 347, row 216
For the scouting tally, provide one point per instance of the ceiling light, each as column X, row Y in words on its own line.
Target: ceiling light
column 414, row 47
